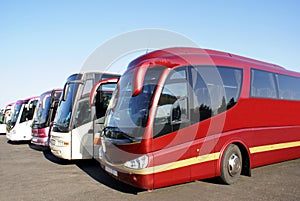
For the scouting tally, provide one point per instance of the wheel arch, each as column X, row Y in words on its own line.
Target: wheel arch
column 246, row 159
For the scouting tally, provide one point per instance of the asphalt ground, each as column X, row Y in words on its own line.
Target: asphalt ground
column 30, row 174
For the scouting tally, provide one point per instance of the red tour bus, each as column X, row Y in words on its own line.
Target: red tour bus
column 184, row 114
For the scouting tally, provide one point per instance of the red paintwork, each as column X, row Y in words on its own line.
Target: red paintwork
column 140, row 181
column 250, row 123
column 95, row 87
column 39, row 132
column 40, row 136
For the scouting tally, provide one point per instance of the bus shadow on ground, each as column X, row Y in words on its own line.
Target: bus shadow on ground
column 18, row 142
column 93, row 169
column 38, row 148
column 49, row 156
column 214, row 180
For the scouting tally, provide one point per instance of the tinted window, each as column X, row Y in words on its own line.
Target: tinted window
column 215, row 90
column 83, row 113
column 288, row 87
column 232, row 82
column 263, row 84
column 103, row 96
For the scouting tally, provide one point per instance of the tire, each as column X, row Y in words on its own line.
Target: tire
column 231, row 166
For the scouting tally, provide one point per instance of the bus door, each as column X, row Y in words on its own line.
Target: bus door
column 100, row 97
column 171, row 134
column 82, row 127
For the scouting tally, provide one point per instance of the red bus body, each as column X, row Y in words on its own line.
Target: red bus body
column 265, row 129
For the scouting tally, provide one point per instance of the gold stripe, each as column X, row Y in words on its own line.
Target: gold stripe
column 176, row 164
column 201, row 159
column 274, row 147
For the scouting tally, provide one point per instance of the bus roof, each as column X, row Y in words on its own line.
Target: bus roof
column 186, row 56
column 50, row 91
column 93, row 72
column 188, row 52
column 26, row 99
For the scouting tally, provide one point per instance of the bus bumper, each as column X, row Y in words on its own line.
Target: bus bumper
column 16, row 136
column 40, row 141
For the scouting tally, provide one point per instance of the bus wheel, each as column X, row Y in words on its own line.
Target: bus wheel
column 231, row 165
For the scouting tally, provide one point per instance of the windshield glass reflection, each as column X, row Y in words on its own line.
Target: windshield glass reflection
column 127, row 115
column 64, row 112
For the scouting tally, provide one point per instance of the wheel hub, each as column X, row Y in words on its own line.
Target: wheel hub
column 234, row 165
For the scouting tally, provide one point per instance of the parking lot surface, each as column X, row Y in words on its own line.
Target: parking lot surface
column 29, row 174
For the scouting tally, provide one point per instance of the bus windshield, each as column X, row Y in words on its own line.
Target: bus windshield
column 43, row 109
column 15, row 114
column 64, row 112
column 127, row 115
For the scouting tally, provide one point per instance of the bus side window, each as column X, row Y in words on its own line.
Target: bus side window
column 202, row 104
column 263, row 84
column 215, row 89
column 87, row 87
column 83, row 114
column 102, row 101
column 288, row 87
column 232, row 82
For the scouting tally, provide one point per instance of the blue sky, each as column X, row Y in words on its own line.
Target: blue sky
column 43, row 42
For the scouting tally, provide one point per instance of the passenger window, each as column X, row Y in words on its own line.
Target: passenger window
column 263, row 84
column 83, row 113
column 232, row 82
column 172, row 109
column 215, row 90
column 87, row 87
column 288, row 87
column 103, row 96
column 202, row 103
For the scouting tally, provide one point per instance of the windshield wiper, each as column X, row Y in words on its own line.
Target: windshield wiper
column 59, row 127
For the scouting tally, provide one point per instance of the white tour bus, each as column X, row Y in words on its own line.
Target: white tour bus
column 72, row 133
column 19, row 126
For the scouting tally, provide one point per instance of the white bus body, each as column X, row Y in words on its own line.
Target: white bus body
column 19, row 126
column 72, row 134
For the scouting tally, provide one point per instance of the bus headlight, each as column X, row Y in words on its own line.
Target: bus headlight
column 138, row 163
column 61, row 143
